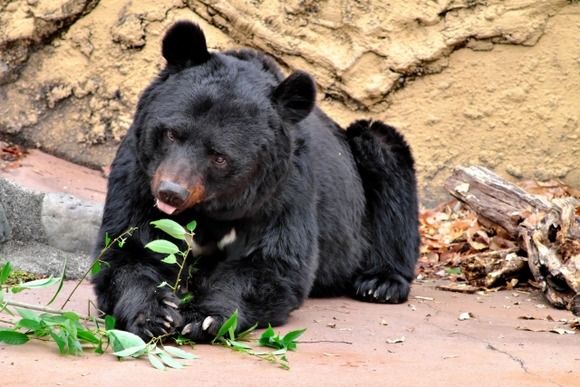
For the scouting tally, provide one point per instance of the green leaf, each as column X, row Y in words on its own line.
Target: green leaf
column 121, row 340
column 291, row 337
column 53, row 319
column 71, row 316
column 182, row 340
column 239, row 346
column 185, row 298
column 180, row 353
column 453, row 270
column 36, row 284
column 13, row 338
column 87, row 336
column 74, row 346
column 245, row 333
column 154, row 360
column 99, row 350
column 60, row 283
column 96, row 268
column 26, row 323
column 279, row 352
column 60, row 341
column 227, row 326
column 163, row 284
column 162, row 246
column 268, row 332
column 191, row 226
column 5, row 272
column 109, row 322
column 71, row 327
column 136, row 351
column 169, row 361
column 107, row 239
column 268, row 338
column 170, row 227
column 27, row 314
column 282, row 344
column 170, row 259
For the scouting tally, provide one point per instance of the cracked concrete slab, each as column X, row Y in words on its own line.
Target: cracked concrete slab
column 347, row 344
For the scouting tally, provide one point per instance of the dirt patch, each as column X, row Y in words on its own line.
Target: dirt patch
column 468, row 82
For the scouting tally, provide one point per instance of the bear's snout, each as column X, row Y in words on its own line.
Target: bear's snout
column 173, row 197
column 173, row 194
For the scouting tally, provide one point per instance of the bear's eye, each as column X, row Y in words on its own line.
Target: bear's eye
column 219, row 160
column 172, row 135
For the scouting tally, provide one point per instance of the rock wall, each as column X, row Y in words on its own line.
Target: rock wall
column 468, row 82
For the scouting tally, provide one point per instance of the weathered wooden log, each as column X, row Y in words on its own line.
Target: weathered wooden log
column 549, row 231
column 492, row 268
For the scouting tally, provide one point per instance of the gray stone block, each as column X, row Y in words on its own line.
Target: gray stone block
column 39, row 258
column 43, row 231
column 4, row 226
column 70, row 223
column 22, row 208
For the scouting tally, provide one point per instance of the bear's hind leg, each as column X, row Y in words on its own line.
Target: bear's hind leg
column 386, row 168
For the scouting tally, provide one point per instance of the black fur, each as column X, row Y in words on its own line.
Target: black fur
column 226, row 140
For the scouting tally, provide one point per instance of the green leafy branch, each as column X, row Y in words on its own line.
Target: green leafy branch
column 96, row 266
column 126, row 344
column 67, row 331
column 73, row 332
column 164, row 246
column 227, row 337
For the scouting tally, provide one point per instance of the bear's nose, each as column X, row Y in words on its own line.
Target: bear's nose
column 173, row 194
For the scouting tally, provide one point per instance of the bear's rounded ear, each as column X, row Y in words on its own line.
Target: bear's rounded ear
column 184, row 45
column 295, row 96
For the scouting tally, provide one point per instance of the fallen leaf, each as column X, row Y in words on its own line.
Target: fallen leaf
column 465, row 316
column 459, row 288
column 520, row 328
column 527, row 318
column 396, row 341
column 561, row 331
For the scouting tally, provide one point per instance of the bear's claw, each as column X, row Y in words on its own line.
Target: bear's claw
column 392, row 289
column 207, row 323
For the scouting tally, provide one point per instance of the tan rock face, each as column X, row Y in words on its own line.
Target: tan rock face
column 495, row 83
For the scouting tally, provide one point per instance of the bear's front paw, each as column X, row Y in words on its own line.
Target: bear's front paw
column 160, row 316
column 385, row 288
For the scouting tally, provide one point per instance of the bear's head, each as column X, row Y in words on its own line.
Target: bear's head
column 215, row 130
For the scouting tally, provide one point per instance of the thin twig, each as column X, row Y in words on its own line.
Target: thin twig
column 129, row 232
column 323, row 341
column 11, row 322
column 51, row 310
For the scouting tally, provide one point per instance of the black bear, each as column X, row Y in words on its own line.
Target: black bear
column 286, row 202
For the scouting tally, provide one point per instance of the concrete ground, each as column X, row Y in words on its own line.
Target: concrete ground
column 510, row 339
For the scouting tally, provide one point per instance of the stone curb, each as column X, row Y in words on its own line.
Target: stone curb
column 39, row 231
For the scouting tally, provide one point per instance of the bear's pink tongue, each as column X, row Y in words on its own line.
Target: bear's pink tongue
column 165, row 207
